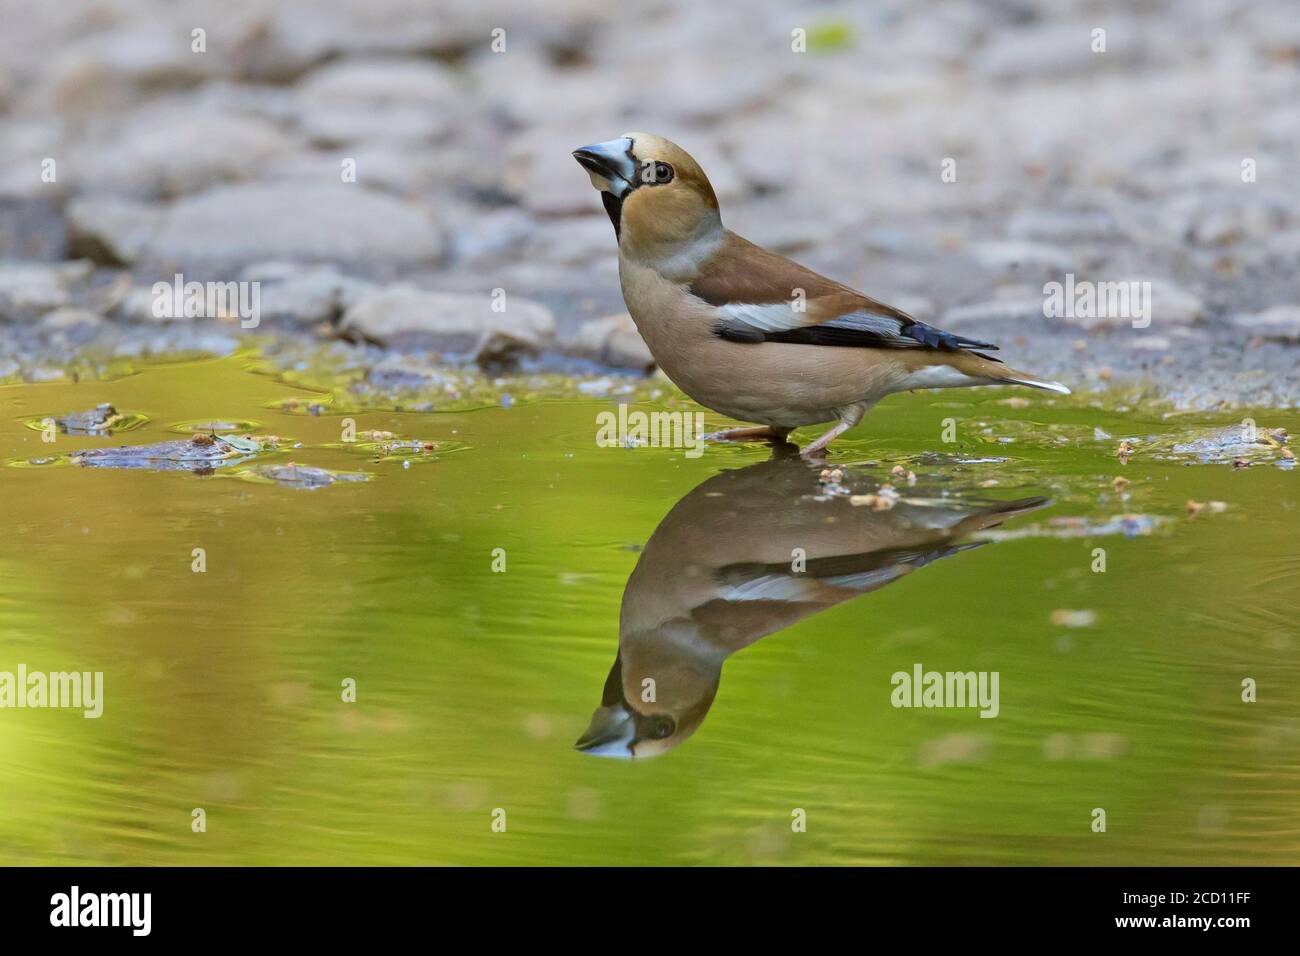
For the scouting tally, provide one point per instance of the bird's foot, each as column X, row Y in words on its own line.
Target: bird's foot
column 818, row 448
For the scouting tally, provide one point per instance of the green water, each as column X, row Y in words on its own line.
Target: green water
column 223, row 689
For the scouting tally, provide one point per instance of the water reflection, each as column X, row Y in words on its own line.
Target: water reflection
column 744, row 555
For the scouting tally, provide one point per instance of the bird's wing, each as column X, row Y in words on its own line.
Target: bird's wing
column 759, row 296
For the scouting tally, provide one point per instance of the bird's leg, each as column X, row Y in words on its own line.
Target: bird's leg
column 755, row 432
column 820, row 444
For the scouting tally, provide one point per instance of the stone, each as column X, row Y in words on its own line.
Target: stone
column 1023, row 256
column 1278, row 322
column 305, row 295
column 230, row 226
column 29, row 289
column 63, row 319
column 1019, row 309
column 612, row 340
column 454, row 322
column 111, row 231
column 362, row 101
column 164, row 153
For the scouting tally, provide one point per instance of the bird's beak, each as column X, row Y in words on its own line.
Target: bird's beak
column 610, row 165
column 610, row 734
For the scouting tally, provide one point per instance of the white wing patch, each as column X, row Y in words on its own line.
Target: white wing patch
column 777, row 317
column 782, row 317
column 770, row 587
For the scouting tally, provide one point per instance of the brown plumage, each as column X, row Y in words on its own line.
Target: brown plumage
column 750, row 333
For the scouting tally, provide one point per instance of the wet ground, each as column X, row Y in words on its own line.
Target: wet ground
column 1123, row 566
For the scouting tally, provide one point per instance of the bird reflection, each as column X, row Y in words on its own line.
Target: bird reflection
column 744, row 555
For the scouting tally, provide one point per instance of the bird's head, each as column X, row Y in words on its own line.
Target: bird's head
column 652, row 701
column 656, row 195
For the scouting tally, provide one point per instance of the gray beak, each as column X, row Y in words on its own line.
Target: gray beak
column 611, row 733
column 610, row 165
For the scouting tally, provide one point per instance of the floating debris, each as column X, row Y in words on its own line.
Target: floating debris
column 1120, row 482
column 883, row 500
column 382, row 446
column 1065, row 526
column 1240, row 444
column 302, row 476
column 199, row 454
column 1196, row 507
column 1065, row 617
column 103, row 419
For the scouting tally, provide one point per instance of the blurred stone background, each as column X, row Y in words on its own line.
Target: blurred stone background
column 226, row 164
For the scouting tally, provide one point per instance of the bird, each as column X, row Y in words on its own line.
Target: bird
column 749, row 333
column 745, row 554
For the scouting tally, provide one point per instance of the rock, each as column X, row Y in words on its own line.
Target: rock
column 230, row 226
column 381, row 168
column 541, row 175
column 164, row 153
column 612, row 340
column 1119, row 303
column 1063, row 226
column 1278, row 322
column 1171, row 304
column 579, row 241
column 99, row 419
column 305, row 295
column 1024, row 256
column 403, row 373
column 406, row 316
column 1054, row 48
column 111, row 68
column 1222, row 217
column 29, row 289
column 487, row 234
column 305, row 477
column 1020, row 310
column 136, row 308
column 69, row 318
column 26, row 143
column 369, row 100
column 111, row 231
column 201, row 454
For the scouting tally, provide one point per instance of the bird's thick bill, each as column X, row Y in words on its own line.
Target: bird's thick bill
column 610, row 164
column 612, row 733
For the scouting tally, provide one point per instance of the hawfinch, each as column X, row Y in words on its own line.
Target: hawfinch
column 750, row 333
column 719, row 573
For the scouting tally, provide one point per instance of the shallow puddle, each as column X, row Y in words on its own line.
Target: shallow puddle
column 471, row 584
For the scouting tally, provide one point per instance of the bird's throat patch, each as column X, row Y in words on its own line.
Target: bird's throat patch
column 614, row 207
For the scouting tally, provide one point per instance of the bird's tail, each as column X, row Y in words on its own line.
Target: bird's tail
column 993, row 372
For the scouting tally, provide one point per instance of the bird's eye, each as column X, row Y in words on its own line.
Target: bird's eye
column 662, row 726
column 654, row 173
